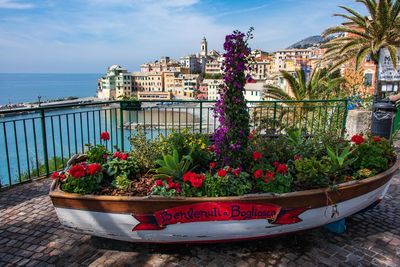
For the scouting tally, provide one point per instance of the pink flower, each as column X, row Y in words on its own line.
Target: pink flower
column 297, row 157
column 213, row 165
column 236, row 172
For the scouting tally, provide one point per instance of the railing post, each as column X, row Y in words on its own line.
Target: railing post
column 346, row 102
column 274, row 119
column 44, row 141
column 121, row 124
column 201, row 116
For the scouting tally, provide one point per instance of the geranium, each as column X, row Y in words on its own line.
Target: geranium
column 256, row 155
column 121, row 156
column 105, row 136
column 282, row 169
column 377, row 139
column 55, row 175
column 211, row 148
column 213, row 165
column 221, row 173
column 236, row 172
column 176, row 186
column 187, row 177
column 62, row 177
column 258, row 174
column 357, row 139
column 275, row 164
column 297, row 157
column 159, row 183
column 269, row 176
column 197, row 181
column 77, row 171
column 94, row 169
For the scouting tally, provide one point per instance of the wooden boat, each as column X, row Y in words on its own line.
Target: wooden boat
column 203, row 219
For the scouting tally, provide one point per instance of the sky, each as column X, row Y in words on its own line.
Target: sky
column 87, row 36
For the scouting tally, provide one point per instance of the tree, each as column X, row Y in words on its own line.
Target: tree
column 320, row 85
column 361, row 36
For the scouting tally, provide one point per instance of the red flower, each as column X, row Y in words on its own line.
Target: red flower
column 377, row 139
column 94, row 169
column 211, row 148
column 282, row 169
column 159, row 183
column 105, row 156
column 62, row 177
column 124, row 156
column 77, row 171
column 117, row 154
column 357, row 139
column 256, row 155
column 187, row 177
column 253, row 132
column 176, row 186
column 269, row 176
column 258, row 174
column 236, row 172
column 213, row 165
column 229, row 169
column 197, row 181
column 121, row 156
column 221, row 173
column 55, row 175
column 297, row 157
column 275, row 164
column 250, row 137
column 105, row 136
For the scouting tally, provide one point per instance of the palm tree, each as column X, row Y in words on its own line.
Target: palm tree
column 361, row 36
column 320, row 85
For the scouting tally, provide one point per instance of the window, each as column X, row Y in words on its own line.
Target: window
column 368, row 79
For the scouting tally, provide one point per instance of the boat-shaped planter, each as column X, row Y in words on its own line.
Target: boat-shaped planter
column 203, row 219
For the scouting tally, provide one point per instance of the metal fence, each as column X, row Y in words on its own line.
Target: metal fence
column 36, row 141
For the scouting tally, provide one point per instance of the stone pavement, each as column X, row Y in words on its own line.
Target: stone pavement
column 30, row 235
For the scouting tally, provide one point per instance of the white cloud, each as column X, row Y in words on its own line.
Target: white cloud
column 12, row 4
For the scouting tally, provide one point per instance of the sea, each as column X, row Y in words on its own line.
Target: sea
column 26, row 87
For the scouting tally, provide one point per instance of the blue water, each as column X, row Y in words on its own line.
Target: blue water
column 26, row 87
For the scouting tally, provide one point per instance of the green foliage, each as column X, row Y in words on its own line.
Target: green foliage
column 364, row 35
column 340, row 159
column 279, row 185
column 116, row 167
column 145, row 151
column 121, row 182
column 164, row 191
column 172, row 166
column 230, row 185
column 320, row 85
column 83, row 185
column 311, row 173
column 186, row 142
column 97, row 154
column 55, row 164
column 371, row 156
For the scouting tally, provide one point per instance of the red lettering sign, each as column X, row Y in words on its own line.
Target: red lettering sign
column 216, row 211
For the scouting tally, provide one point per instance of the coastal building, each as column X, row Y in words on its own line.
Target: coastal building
column 213, row 86
column 164, row 64
column 253, row 91
column 115, row 84
column 154, row 96
column 214, row 66
column 262, row 67
column 147, row 81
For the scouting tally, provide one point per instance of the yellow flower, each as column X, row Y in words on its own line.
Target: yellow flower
column 365, row 172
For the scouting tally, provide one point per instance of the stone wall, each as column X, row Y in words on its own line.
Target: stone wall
column 358, row 121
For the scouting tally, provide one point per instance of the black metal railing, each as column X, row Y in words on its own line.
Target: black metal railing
column 36, row 141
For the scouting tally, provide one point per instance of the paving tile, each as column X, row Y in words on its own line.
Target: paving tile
column 30, row 235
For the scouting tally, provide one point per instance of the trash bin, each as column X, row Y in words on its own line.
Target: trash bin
column 382, row 118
